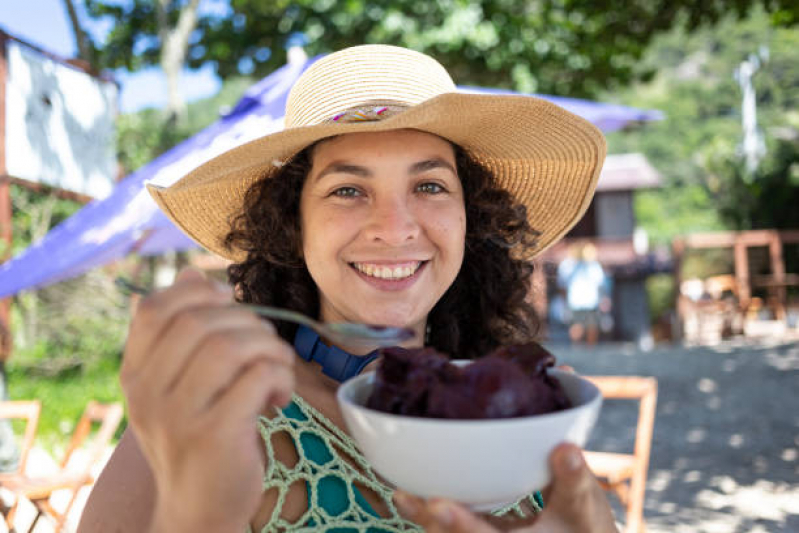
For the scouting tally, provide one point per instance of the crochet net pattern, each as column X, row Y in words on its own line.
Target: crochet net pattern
column 343, row 465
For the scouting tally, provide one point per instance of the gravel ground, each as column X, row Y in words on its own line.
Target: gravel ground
column 725, row 450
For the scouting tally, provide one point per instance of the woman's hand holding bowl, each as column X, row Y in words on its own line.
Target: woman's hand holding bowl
column 573, row 503
column 197, row 373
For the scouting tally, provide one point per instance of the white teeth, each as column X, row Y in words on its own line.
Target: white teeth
column 384, row 272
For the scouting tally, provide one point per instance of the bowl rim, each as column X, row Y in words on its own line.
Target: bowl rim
column 595, row 398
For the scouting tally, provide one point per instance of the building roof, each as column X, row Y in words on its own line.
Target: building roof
column 75, row 63
column 623, row 172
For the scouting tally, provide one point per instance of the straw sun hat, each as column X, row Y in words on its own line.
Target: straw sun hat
column 546, row 157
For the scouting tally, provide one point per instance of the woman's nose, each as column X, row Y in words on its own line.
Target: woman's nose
column 393, row 222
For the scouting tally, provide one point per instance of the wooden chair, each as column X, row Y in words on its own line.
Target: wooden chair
column 625, row 474
column 28, row 410
column 39, row 489
column 720, row 286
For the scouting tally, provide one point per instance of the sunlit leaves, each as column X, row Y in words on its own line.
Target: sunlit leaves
column 696, row 149
column 566, row 47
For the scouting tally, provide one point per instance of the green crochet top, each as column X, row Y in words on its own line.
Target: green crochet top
column 335, row 504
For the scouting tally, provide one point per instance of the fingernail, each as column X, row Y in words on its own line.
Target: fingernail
column 573, row 459
column 443, row 513
column 224, row 288
column 224, row 291
column 405, row 504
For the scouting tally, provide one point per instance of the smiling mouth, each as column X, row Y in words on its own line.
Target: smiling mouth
column 390, row 272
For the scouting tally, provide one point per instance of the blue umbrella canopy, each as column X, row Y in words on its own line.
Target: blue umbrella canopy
column 128, row 220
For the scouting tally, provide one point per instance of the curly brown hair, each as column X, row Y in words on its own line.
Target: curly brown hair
column 485, row 307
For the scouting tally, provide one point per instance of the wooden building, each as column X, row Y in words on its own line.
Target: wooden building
column 760, row 296
column 622, row 248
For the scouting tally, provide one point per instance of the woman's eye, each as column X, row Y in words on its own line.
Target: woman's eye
column 430, row 188
column 346, row 192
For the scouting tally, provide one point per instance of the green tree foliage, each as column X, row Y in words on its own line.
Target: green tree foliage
column 696, row 148
column 768, row 198
column 141, row 136
column 34, row 213
column 67, row 337
column 565, row 47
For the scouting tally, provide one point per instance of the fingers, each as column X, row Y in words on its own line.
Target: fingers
column 439, row 515
column 213, row 368
column 575, row 501
column 248, row 389
column 155, row 313
column 191, row 331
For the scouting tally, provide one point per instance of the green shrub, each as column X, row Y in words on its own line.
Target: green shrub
column 660, row 291
column 69, row 340
column 64, row 396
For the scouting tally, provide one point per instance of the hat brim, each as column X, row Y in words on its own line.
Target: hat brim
column 547, row 158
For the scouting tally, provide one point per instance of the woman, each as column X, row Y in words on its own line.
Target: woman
column 388, row 199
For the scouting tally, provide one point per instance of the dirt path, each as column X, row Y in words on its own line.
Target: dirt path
column 725, row 451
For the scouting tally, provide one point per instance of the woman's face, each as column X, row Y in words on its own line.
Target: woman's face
column 383, row 225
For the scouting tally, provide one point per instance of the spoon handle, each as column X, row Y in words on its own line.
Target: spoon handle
column 283, row 314
column 263, row 310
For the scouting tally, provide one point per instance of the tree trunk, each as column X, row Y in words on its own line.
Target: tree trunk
column 174, row 47
column 41, row 217
column 84, row 50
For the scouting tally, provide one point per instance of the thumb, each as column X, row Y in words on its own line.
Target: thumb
column 570, row 476
column 575, row 502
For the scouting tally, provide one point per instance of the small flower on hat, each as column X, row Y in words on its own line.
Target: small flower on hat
column 365, row 114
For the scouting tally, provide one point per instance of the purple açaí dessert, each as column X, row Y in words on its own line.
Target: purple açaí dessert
column 511, row 381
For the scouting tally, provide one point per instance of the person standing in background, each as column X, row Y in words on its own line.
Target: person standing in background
column 587, row 289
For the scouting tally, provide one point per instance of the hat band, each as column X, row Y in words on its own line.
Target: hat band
column 367, row 114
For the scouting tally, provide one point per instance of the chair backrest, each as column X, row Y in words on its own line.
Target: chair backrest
column 718, row 286
column 108, row 416
column 644, row 389
column 30, row 411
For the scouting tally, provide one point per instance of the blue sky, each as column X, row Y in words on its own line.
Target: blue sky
column 45, row 23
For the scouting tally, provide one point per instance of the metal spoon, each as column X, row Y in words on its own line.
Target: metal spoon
column 346, row 333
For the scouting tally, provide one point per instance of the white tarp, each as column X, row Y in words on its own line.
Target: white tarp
column 59, row 128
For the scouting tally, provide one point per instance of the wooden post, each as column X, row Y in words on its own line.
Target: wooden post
column 742, row 272
column 5, row 205
column 643, row 448
column 678, row 251
column 778, row 274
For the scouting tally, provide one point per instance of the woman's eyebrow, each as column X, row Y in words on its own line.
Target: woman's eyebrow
column 430, row 164
column 344, row 168
column 364, row 172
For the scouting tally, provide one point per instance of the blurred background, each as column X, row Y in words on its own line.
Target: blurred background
column 684, row 270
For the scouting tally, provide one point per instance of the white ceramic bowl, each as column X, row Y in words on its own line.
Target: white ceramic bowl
column 483, row 464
